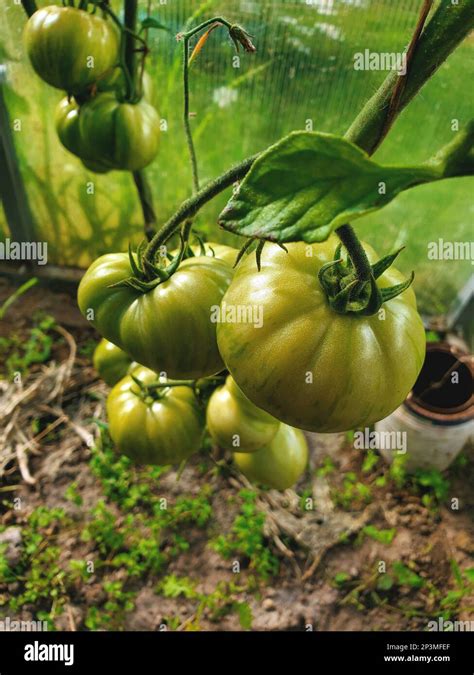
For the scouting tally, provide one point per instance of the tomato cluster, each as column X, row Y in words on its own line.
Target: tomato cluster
column 78, row 52
column 265, row 450
column 304, row 366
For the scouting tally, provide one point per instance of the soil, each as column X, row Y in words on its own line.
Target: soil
column 313, row 547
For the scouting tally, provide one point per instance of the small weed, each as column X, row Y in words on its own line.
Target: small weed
column 72, row 494
column 353, row 494
column 19, row 353
column 222, row 601
column 112, row 615
column 247, row 539
column 383, row 536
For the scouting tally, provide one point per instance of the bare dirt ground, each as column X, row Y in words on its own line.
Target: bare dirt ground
column 348, row 524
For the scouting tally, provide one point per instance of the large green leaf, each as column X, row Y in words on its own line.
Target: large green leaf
column 308, row 184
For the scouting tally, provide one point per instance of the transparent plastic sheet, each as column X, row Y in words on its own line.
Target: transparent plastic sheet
column 302, row 75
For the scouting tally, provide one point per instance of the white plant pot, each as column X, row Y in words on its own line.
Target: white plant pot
column 437, row 422
column 429, row 445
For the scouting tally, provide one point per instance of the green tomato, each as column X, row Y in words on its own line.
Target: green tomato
column 67, row 125
column 119, row 135
column 111, row 362
column 307, row 365
column 280, row 463
column 68, row 130
column 70, row 48
column 166, row 430
column 169, row 328
column 237, row 424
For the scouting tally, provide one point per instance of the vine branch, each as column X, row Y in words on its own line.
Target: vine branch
column 192, row 205
column 29, row 6
column 449, row 25
column 346, row 233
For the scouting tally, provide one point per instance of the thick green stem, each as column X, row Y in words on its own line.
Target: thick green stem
column 425, row 53
column 146, row 202
column 450, row 24
column 29, row 6
column 171, row 383
column 130, row 22
column 455, row 158
column 356, row 252
column 192, row 205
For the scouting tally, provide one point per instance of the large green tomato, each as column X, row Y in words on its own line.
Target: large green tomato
column 280, row 463
column 68, row 130
column 169, row 329
column 237, row 424
column 70, row 48
column 163, row 431
column 307, row 365
column 120, row 135
column 111, row 362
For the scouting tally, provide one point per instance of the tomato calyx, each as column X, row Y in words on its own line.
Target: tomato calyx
column 146, row 275
column 347, row 293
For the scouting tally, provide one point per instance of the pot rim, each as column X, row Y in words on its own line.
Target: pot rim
column 457, row 415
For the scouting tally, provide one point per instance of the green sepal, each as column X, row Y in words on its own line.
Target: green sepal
column 137, row 271
column 384, row 263
column 137, row 284
column 243, row 251
column 392, row 291
column 202, row 248
column 258, row 254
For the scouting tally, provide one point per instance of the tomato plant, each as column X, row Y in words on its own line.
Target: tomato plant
column 157, row 426
column 111, row 362
column 339, row 344
column 237, row 424
column 167, row 328
column 70, row 48
column 308, row 365
column 279, row 464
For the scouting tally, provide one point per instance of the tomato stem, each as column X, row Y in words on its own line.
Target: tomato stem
column 449, row 25
column 128, row 40
column 358, row 256
column 29, row 6
column 192, row 205
column 187, row 126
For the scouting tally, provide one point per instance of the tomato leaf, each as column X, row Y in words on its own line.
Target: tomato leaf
column 308, row 184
